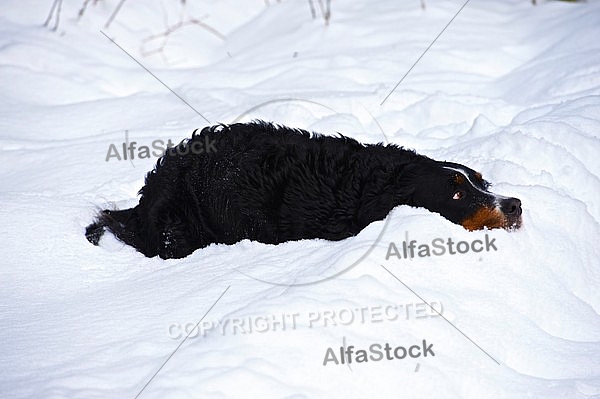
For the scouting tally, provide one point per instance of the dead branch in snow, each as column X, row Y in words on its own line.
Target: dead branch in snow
column 325, row 9
column 56, row 6
column 172, row 29
column 84, row 8
column 114, row 14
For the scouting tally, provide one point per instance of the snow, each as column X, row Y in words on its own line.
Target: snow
column 509, row 89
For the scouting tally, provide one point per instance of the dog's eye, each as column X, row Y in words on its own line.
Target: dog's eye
column 458, row 195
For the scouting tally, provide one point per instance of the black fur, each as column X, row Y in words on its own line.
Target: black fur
column 273, row 184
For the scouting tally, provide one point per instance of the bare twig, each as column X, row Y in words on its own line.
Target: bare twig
column 114, row 14
column 325, row 10
column 327, row 15
column 84, row 7
column 56, row 6
column 173, row 28
column 51, row 12
column 313, row 11
column 320, row 2
column 58, row 15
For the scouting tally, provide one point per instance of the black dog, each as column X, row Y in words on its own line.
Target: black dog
column 272, row 184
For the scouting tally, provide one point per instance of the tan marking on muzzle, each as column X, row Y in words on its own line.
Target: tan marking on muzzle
column 492, row 218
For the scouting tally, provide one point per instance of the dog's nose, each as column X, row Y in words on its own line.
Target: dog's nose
column 511, row 206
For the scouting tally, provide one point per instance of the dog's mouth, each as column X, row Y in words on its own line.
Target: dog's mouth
column 513, row 223
column 494, row 218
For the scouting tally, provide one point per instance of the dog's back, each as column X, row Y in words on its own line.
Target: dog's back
column 260, row 182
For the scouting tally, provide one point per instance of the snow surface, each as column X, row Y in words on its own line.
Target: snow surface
column 509, row 89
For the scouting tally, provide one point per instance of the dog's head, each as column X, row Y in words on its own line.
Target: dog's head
column 461, row 195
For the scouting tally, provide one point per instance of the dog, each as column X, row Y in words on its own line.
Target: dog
column 272, row 184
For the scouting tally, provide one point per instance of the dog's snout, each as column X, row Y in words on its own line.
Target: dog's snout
column 511, row 206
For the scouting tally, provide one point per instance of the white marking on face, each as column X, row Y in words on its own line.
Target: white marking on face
column 465, row 174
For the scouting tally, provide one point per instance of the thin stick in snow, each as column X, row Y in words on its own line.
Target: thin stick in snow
column 171, row 29
column 57, row 5
column 313, row 12
column 114, row 14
